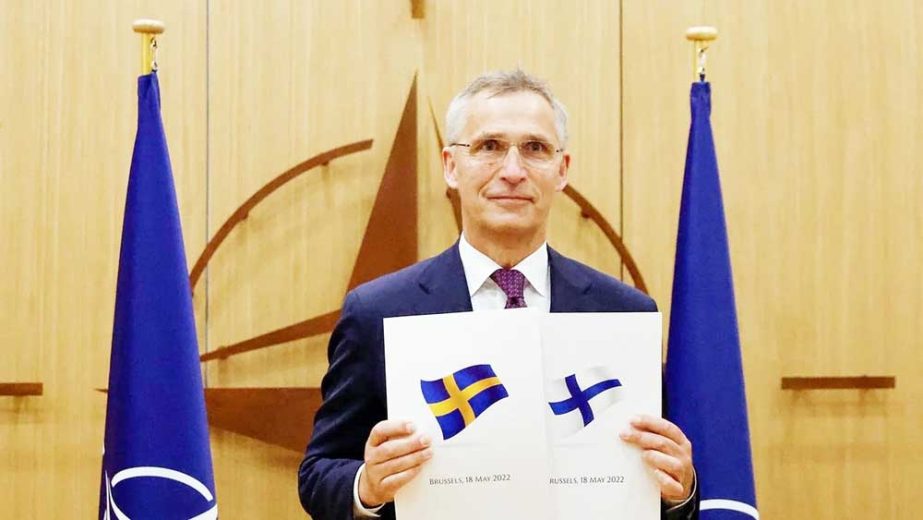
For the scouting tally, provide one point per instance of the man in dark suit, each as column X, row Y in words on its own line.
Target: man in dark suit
column 506, row 157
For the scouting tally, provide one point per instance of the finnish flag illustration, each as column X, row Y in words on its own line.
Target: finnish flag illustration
column 579, row 398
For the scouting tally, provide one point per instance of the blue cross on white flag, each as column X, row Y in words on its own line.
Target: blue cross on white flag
column 577, row 399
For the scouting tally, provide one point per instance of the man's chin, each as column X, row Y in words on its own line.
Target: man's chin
column 511, row 226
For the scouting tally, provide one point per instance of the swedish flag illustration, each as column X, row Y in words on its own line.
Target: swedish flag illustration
column 457, row 399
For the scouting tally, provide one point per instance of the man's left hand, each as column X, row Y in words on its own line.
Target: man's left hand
column 667, row 451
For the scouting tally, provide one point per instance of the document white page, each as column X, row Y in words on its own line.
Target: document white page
column 525, row 410
column 473, row 382
column 600, row 370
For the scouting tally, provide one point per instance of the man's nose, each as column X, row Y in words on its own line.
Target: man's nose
column 513, row 170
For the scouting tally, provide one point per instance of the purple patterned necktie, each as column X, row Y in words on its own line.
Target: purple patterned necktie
column 512, row 282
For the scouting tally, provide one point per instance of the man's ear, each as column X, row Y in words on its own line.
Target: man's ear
column 562, row 171
column 449, row 168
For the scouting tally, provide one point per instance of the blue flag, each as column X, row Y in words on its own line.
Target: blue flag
column 156, row 455
column 704, row 377
column 459, row 398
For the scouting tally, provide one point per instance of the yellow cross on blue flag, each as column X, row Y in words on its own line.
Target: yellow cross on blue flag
column 458, row 399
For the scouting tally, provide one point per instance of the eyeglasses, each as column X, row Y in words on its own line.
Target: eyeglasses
column 491, row 151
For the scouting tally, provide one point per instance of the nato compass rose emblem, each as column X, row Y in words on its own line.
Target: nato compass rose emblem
column 390, row 242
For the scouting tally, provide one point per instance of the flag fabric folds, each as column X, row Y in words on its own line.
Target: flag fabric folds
column 579, row 398
column 156, row 456
column 458, row 399
column 703, row 374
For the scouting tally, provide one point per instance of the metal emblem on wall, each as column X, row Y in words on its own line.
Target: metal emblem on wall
column 283, row 415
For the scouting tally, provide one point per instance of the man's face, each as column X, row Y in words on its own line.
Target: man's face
column 508, row 195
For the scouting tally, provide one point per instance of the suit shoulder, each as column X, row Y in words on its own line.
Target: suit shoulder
column 390, row 288
column 614, row 294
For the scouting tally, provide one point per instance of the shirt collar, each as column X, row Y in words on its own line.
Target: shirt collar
column 478, row 267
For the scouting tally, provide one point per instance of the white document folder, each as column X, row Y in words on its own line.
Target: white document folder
column 524, row 410
column 492, row 467
column 612, row 361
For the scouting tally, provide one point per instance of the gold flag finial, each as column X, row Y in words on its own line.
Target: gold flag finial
column 148, row 29
column 701, row 37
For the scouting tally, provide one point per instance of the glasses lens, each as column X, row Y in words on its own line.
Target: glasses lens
column 489, row 150
column 536, row 152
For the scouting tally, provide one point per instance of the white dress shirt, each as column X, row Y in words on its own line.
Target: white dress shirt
column 487, row 295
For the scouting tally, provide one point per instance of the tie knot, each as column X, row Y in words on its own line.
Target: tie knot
column 512, row 282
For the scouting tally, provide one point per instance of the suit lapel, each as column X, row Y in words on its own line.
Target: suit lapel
column 445, row 289
column 443, row 285
column 569, row 285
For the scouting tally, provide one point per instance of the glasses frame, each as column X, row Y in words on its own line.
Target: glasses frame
column 512, row 145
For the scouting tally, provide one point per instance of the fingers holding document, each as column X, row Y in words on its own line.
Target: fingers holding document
column 667, row 451
column 394, row 454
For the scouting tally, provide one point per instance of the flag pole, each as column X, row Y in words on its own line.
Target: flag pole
column 703, row 375
column 148, row 29
column 701, row 37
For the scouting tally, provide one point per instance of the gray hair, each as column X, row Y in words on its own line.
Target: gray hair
column 498, row 83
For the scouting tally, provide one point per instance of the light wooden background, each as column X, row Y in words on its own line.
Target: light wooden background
column 816, row 118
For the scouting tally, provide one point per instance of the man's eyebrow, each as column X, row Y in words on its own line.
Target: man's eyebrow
column 536, row 137
column 505, row 137
column 490, row 135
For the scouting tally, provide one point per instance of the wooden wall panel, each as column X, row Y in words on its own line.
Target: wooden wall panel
column 815, row 121
column 68, row 110
column 815, row 112
column 575, row 46
column 289, row 80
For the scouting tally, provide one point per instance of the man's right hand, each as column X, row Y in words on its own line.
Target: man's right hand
column 393, row 456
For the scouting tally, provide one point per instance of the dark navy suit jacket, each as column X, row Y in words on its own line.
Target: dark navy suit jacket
column 354, row 387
